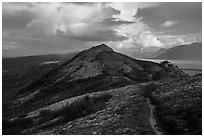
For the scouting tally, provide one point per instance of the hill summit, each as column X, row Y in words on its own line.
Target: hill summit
column 98, row 68
column 94, row 70
column 101, row 48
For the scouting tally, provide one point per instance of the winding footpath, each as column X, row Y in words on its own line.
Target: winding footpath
column 153, row 120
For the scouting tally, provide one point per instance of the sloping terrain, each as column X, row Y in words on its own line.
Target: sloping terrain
column 95, row 69
column 178, row 104
column 15, row 79
column 126, row 112
column 95, row 92
column 183, row 52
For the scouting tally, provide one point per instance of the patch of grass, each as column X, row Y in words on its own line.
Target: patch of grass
column 76, row 88
column 79, row 108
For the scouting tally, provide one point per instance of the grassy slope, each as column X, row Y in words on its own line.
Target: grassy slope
column 178, row 109
column 14, row 79
column 179, row 105
column 127, row 112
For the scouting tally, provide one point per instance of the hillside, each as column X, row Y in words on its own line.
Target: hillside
column 130, row 113
column 96, row 87
column 179, row 105
column 183, row 52
column 95, row 69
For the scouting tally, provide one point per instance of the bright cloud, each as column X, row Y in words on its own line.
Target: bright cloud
column 129, row 9
column 169, row 23
column 140, row 36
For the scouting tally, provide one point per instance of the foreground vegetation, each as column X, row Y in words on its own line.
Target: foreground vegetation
column 15, row 79
column 178, row 104
column 48, row 118
column 126, row 113
column 38, row 98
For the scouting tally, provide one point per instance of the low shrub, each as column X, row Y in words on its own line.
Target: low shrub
column 147, row 91
column 156, row 76
column 100, row 98
column 149, row 88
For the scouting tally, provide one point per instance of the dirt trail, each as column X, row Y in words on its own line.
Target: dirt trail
column 153, row 120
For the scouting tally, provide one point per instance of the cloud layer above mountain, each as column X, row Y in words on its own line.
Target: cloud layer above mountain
column 42, row 28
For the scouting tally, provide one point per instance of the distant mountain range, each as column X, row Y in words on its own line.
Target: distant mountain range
column 11, row 63
column 183, row 52
column 144, row 53
column 159, row 52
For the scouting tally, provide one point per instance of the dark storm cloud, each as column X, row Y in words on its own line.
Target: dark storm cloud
column 187, row 13
column 15, row 19
column 177, row 10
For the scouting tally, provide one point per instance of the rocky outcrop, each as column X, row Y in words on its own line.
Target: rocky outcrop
column 174, row 70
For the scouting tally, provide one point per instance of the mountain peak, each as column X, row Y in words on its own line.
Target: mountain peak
column 101, row 48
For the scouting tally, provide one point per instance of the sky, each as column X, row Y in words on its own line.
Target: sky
column 47, row 28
